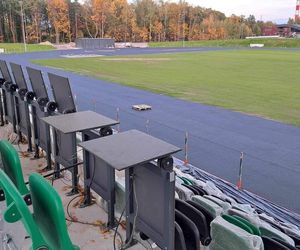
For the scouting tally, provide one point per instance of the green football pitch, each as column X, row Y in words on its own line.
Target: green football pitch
column 258, row 82
column 19, row 47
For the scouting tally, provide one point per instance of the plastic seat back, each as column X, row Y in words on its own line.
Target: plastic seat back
column 197, row 217
column 49, row 213
column 285, row 244
column 226, row 235
column 190, row 187
column 12, row 166
column 201, row 191
column 190, row 231
column 211, row 206
column 271, row 232
column 255, row 229
column 237, row 223
column 18, row 210
column 208, row 216
column 224, row 204
column 179, row 238
column 252, row 218
column 272, row 244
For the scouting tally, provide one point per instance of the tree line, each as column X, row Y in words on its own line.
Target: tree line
column 140, row 21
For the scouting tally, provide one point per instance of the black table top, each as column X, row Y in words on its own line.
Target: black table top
column 79, row 121
column 128, row 149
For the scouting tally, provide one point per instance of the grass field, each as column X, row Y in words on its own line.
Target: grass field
column 262, row 83
column 19, row 47
column 269, row 43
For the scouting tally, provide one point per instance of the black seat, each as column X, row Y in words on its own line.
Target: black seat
column 195, row 191
column 271, row 244
column 222, row 199
column 272, row 224
column 285, row 244
column 295, row 238
column 200, row 190
column 179, row 238
column 190, row 231
column 208, row 216
column 197, row 217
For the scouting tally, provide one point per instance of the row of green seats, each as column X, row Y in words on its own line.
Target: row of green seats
column 46, row 226
column 11, row 165
column 216, row 209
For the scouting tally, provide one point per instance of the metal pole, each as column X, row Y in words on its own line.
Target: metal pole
column 147, row 126
column 186, row 160
column 23, row 26
column 118, row 119
column 75, row 100
column 240, row 181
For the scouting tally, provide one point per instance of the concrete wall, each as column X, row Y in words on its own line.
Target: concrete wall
column 95, row 43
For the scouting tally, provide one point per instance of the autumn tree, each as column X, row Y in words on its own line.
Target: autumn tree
column 59, row 17
column 101, row 10
column 36, row 15
column 119, row 25
column 123, row 20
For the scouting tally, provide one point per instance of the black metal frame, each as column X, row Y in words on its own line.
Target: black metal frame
column 162, row 233
column 21, row 101
column 149, row 185
column 41, row 130
column 8, row 89
column 104, row 187
column 105, row 190
column 63, row 98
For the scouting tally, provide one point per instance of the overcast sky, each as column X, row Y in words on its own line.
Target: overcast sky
column 273, row 10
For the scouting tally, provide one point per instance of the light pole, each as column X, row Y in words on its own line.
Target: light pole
column 23, row 26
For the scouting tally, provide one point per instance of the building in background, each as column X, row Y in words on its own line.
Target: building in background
column 289, row 30
column 270, row 30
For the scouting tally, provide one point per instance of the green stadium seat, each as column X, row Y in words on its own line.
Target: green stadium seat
column 225, row 205
column 237, row 223
column 211, row 206
column 18, row 210
column 271, row 232
column 186, row 180
column 252, row 218
column 255, row 229
column 47, row 208
column 226, row 235
column 12, row 167
column 49, row 213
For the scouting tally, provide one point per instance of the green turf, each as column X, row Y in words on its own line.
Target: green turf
column 262, row 83
column 19, row 47
column 269, row 43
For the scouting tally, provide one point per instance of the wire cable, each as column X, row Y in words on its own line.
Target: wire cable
column 135, row 217
column 119, row 221
column 116, row 230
